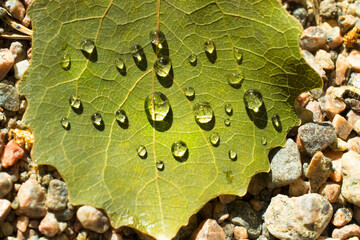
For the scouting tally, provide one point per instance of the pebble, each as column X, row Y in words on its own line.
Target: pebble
column 31, row 199
column 26, row 21
column 316, row 136
column 6, row 184
column 257, row 184
column 346, row 232
column 352, row 117
column 240, row 233
column 354, row 60
column 49, row 226
column 303, row 217
column 328, row 9
column 226, row 199
column 7, row 228
column 334, row 38
column 220, row 213
column 350, row 189
column 16, row 8
column 354, row 144
column 318, row 171
column 241, row 214
column 28, row 2
column 331, row 105
column 301, row 15
column 5, row 207
column 342, row 217
column 314, row 107
column 20, row 68
column 342, row 127
column 336, row 173
column 285, row 166
column 323, row 58
column 312, row 39
column 57, row 195
column 18, row 51
column 330, row 191
column 12, row 153
column 310, row 59
column 6, row 62
column 339, row 145
column 22, row 223
column 93, row 219
column 207, row 210
column 299, row 187
column 342, row 66
column 9, row 97
column 208, row 230
column 346, row 22
column 303, row 99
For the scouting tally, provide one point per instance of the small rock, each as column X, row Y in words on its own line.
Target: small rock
column 6, row 184
column 28, row 2
column 226, row 199
column 346, row 22
column 353, row 104
column 346, row 232
column 9, row 97
column 330, row 191
column 336, row 173
column 22, row 223
column 16, row 8
column 299, row 187
column 12, row 153
column 339, row 145
column 93, row 219
column 228, row 229
column 220, row 213
column 302, row 217
column 316, row 136
column 285, row 166
column 354, row 144
column 257, row 184
column 328, row 9
column 332, row 106
column 342, row 127
column 49, row 226
column 64, row 215
column 310, row 59
column 334, row 37
column 342, row 66
column 350, row 189
column 57, row 196
column 207, row 210
column 241, row 214
column 6, row 62
column 7, row 229
column 341, row 217
column 300, row 14
column 26, row 21
column 312, row 39
column 357, row 127
column 208, row 230
column 352, row 117
column 318, row 171
column 256, row 204
column 18, row 51
column 303, row 98
column 20, row 68
column 240, row 233
column 5, row 207
column 314, row 107
column 354, row 60
column 323, row 58
column 354, row 80
column 31, row 199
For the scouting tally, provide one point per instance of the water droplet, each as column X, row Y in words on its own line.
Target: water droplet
column 238, row 55
column 65, row 122
column 232, row 155
column 120, row 64
column 66, row 62
column 87, row 45
column 162, row 66
column 179, row 149
column 203, row 112
column 275, row 120
column 228, row 109
column 141, row 150
column 263, row 140
column 214, row 138
column 64, row 45
column 96, row 119
column 192, row 59
column 157, row 106
column 120, row 115
column 253, row 99
column 160, row 165
column 157, row 38
column 137, row 53
column 227, row 122
column 235, row 79
column 209, row 47
column 189, row 92
column 75, row 102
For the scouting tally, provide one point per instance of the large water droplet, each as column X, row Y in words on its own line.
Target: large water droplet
column 162, row 66
column 203, row 112
column 75, row 102
column 235, row 79
column 227, row 122
column 179, row 149
column 141, row 151
column 157, row 106
column 160, row 165
column 228, row 109
column 189, row 92
column 192, row 59
column 232, row 155
column 214, row 138
column 87, row 45
column 253, row 99
column 120, row 116
column 238, row 55
column 276, row 121
column 209, row 47
column 157, row 38
column 66, row 62
column 120, row 64
column 137, row 53
column 65, row 122
column 263, row 140
column 96, row 119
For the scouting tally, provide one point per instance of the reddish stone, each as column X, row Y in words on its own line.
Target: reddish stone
column 336, row 173
column 354, row 60
column 208, row 230
column 303, row 99
column 346, row 232
column 314, row 107
column 12, row 153
column 342, row 65
column 332, row 106
column 330, row 191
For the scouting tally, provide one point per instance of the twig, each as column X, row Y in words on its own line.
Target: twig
column 6, row 17
column 10, row 35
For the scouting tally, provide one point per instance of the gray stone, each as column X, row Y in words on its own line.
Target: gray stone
column 285, row 166
column 300, row 14
column 350, row 189
column 6, row 184
column 57, row 196
column 228, row 229
column 312, row 39
column 64, row 215
column 31, row 198
column 318, row 171
column 328, row 9
column 241, row 214
column 302, row 218
column 9, row 97
column 93, row 219
column 316, row 136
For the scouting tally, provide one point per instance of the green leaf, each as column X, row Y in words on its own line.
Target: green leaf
column 101, row 165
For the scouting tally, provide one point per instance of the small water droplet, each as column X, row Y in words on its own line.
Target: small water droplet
column 75, row 102
column 66, row 62
column 87, row 45
column 276, row 120
column 162, row 66
column 238, row 55
column 96, row 119
column 65, row 122
column 235, row 79
column 137, row 53
column 157, row 38
column 160, row 165
column 214, row 138
column 157, row 106
column 179, row 149
column 203, row 112
column 263, row 140
column 228, row 109
column 120, row 115
column 120, row 64
column 253, row 99
column 232, row 155
column 192, row 59
column 209, row 47
column 189, row 92
column 227, row 122
column 141, row 150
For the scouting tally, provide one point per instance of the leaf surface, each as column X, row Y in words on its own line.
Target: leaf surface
column 100, row 164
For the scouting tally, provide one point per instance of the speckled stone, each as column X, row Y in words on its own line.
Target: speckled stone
column 240, row 233
column 208, row 230
column 31, row 198
column 332, row 106
column 323, row 58
column 336, row 173
column 328, row 9
column 346, row 232
column 342, row 217
column 346, row 22
column 354, row 144
column 57, row 196
column 22, row 223
column 330, row 191
column 342, row 65
column 312, row 39
column 18, row 51
column 318, row 171
column 350, row 189
column 6, row 184
column 9, row 97
column 93, row 219
column 299, row 187
column 334, row 38
column 301, row 218
column 314, row 107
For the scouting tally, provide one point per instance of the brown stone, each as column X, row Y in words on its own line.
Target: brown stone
column 303, row 99
column 336, row 173
column 352, row 117
column 6, row 62
column 346, row 232
column 299, row 187
column 323, row 58
column 208, row 230
column 332, row 106
column 49, row 226
column 342, row 127
column 330, row 191
column 314, row 107
column 318, row 171
column 22, row 223
column 240, row 233
column 342, row 216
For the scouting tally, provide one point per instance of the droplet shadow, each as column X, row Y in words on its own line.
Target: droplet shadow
column 100, row 127
column 163, row 125
column 168, row 80
column 122, row 71
column 124, row 125
column 212, row 57
column 260, row 118
column 142, row 64
column 161, row 52
column 183, row 158
column 93, row 57
column 207, row 126
column 78, row 110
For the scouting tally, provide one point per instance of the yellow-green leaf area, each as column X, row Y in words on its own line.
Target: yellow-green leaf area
column 103, row 162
